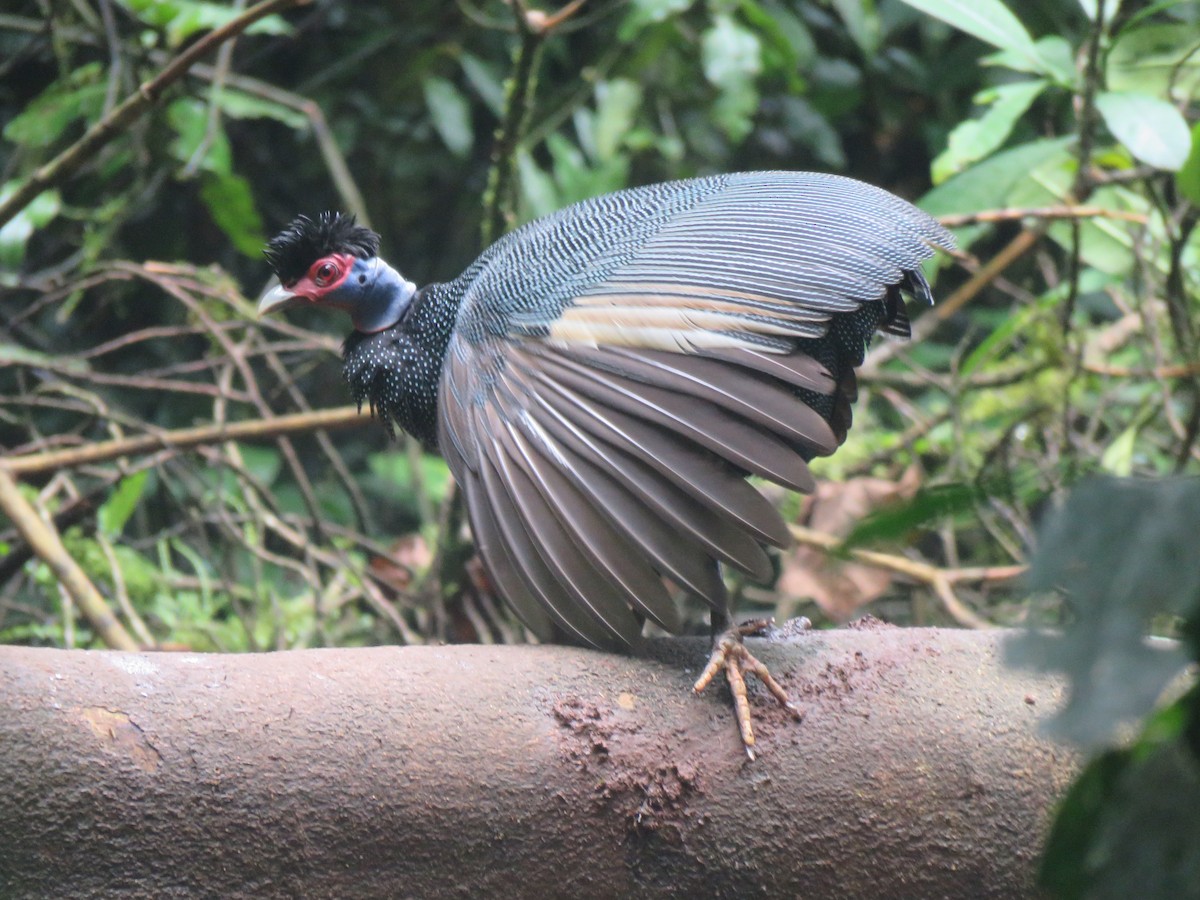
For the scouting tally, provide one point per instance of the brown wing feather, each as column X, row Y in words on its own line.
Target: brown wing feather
column 700, row 529
column 698, row 472
column 729, row 436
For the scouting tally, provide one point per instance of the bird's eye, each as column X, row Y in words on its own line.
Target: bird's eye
column 325, row 274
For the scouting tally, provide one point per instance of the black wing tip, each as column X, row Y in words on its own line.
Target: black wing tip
column 305, row 240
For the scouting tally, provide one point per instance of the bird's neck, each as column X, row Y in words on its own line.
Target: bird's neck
column 397, row 371
column 382, row 302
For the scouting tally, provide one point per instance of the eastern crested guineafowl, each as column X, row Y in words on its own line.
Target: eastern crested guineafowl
column 601, row 381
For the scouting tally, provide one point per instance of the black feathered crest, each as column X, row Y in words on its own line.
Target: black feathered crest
column 306, row 240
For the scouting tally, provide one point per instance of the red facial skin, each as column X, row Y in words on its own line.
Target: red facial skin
column 323, row 276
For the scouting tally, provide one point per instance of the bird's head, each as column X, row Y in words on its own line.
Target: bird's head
column 331, row 261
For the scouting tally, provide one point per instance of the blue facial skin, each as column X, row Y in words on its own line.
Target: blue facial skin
column 374, row 294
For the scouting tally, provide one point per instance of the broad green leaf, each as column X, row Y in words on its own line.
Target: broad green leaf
column 988, row 20
column 1155, row 60
column 1077, row 824
column 183, row 18
column 1112, row 245
column 116, row 510
column 617, row 103
column 791, row 29
column 1117, row 458
column 649, row 12
column 862, row 21
column 18, row 230
column 578, row 177
column 896, row 520
column 1153, row 130
column 988, row 184
column 1055, row 58
column 1130, row 824
column 189, row 117
column 263, row 463
column 732, row 55
column 394, row 473
column 976, row 138
column 538, row 194
column 787, row 47
column 487, row 84
column 240, row 105
column 1121, row 552
column 230, row 202
column 451, row 115
column 1187, row 179
column 43, row 120
column 814, row 130
column 1106, row 243
column 734, row 110
column 570, row 161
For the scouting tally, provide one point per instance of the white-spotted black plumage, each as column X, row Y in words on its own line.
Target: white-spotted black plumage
column 602, row 380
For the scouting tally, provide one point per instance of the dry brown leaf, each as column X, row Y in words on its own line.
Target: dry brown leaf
column 841, row 588
column 409, row 554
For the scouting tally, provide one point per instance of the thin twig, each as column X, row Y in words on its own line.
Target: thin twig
column 1183, row 370
column 499, row 198
column 182, row 438
column 1042, row 212
column 1083, row 184
column 940, row 580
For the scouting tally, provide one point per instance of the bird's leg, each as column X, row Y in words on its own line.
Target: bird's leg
column 730, row 654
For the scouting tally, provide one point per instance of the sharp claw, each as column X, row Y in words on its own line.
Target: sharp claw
column 730, row 654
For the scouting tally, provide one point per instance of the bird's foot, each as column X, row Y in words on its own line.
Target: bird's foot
column 730, row 654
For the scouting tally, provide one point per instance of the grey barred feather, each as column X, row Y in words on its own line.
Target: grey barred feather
column 610, row 374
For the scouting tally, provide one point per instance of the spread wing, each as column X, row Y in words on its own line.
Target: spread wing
column 618, row 368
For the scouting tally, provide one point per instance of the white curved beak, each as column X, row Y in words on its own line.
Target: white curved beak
column 277, row 297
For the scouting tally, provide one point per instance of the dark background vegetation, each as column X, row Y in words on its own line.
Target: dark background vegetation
column 1059, row 140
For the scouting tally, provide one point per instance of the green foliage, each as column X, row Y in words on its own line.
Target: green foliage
column 15, row 235
column 992, row 22
column 1155, row 60
column 976, row 139
column 899, row 520
column 451, row 115
column 1188, row 178
column 180, row 19
column 79, row 95
column 1153, row 130
column 116, row 510
column 1123, row 555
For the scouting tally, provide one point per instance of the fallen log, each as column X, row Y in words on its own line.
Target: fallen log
column 917, row 771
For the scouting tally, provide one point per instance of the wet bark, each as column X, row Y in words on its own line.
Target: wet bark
column 525, row 772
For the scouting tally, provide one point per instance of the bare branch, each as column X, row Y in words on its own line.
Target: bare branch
column 47, row 544
column 182, row 438
column 918, row 771
column 1042, row 212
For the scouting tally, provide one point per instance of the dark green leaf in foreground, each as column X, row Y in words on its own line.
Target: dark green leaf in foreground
column 896, row 520
column 1121, row 552
column 1130, row 824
